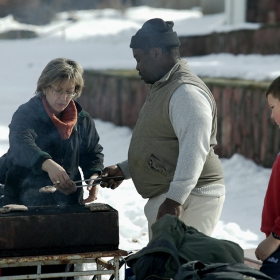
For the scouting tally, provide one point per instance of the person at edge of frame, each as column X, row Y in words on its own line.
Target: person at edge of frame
column 268, row 251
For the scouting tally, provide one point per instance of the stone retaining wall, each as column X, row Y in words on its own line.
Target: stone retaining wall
column 244, row 123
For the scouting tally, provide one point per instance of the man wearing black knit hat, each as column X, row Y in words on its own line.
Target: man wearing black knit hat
column 171, row 158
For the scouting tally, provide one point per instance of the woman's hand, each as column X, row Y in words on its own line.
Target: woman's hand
column 93, row 190
column 59, row 177
column 267, row 247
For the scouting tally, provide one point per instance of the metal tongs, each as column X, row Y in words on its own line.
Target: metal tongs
column 97, row 181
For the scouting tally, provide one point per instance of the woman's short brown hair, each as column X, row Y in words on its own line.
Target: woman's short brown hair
column 59, row 69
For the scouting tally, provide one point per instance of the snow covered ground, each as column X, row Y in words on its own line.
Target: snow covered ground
column 100, row 40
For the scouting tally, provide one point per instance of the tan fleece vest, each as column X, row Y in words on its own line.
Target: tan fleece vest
column 154, row 147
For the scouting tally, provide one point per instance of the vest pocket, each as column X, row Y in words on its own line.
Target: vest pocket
column 160, row 165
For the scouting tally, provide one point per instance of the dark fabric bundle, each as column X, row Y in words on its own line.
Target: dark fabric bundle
column 155, row 33
column 174, row 244
column 197, row 270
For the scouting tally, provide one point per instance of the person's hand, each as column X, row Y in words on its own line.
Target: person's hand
column 93, row 190
column 110, row 171
column 59, row 177
column 171, row 207
column 267, row 247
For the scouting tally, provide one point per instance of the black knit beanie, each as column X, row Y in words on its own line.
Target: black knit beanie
column 155, row 33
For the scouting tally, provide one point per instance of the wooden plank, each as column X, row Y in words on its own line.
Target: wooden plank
column 250, row 259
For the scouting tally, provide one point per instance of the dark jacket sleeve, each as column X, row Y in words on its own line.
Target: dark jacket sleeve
column 91, row 156
column 22, row 138
column 3, row 168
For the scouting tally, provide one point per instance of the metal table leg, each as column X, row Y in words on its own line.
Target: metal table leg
column 39, row 270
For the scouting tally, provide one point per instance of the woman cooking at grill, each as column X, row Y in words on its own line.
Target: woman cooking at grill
column 51, row 136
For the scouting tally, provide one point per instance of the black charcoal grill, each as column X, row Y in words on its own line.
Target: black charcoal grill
column 49, row 230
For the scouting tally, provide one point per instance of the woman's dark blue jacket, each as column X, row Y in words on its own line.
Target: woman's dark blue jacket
column 33, row 139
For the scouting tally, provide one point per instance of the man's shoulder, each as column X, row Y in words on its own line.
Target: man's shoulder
column 276, row 165
column 277, row 160
column 191, row 93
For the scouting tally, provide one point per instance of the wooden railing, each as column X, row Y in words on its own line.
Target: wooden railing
column 264, row 40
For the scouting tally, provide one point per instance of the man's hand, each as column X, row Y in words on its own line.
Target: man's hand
column 109, row 171
column 171, row 207
column 93, row 190
column 59, row 177
column 267, row 247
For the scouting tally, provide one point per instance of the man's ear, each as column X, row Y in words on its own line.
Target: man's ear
column 157, row 53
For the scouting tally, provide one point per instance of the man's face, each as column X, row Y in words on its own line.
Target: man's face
column 146, row 65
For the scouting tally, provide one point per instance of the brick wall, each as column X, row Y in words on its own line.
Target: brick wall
column 244, row 124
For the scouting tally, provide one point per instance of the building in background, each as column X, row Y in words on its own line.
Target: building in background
column 263, row 11
column 41, row 12
column 235, row 11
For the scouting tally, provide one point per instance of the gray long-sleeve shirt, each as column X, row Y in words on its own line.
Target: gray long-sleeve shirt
column 193, row 131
